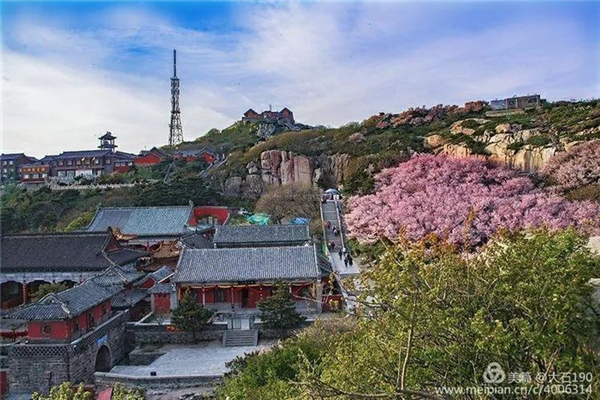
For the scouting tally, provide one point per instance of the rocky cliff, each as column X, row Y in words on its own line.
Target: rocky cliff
column 510, row 144
column 276, row 167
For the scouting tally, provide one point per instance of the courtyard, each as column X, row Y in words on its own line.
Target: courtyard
column 202, row 359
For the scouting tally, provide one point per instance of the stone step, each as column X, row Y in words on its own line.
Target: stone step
column 240, row 338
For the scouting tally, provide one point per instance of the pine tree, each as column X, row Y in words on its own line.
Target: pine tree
column 190, row 315
column 279, row 310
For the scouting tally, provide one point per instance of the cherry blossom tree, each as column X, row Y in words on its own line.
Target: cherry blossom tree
column 462, row 199
column 575, row 168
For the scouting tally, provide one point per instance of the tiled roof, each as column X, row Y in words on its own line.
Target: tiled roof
column 82, row 153
column 161, row 273
column 66, row 304
column 128, row 298
column 196, row 241
column 240, row 234
column 161, row 288
column 78, row 251
column 12, row 156
column 118, row 276
column 258, row 264
column 143, row 221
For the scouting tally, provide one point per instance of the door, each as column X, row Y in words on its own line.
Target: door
column 244, row 297
column 236, row 323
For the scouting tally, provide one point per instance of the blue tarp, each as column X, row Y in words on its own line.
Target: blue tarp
column 258, row 219
column 299, row 221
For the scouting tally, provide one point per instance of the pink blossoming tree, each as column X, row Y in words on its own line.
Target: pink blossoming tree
column 464, row 200
column 575, row 168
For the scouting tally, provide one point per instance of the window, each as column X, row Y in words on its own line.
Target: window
column 61, row 173
column 46, row 329
column 61, row 163
column 4, row 170
column 26, row 176
column 10, row 162
column 220, row 296
column 69, row 162
column 108, row 160
column 76, row 326
column 96, row 161
column 91, row 320
column 35, row 176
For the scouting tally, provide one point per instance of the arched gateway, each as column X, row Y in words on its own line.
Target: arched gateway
column 103, row 362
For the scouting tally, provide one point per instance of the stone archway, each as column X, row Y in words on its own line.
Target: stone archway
column 103, row 359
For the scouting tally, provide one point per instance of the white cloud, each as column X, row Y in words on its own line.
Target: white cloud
column 63, row 87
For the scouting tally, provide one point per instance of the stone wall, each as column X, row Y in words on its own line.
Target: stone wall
column 145, row 334
column 104, row 380
column 37, row 367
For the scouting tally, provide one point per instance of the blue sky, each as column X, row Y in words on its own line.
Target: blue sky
column 72, row 70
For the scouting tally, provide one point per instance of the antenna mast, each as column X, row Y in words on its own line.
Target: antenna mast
column 175, row 129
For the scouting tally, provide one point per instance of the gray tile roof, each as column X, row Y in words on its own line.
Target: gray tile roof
column 197, row 241
column 66, row 304
column 161, row 273
column 78, row 251
column 128, row 298
column 143, row 221
column 251, row 234
column 260, row 264
column 161, row 288
column 119, row 276
column 82, row 153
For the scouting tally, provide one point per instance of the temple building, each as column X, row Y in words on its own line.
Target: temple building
column 269, row 115
column 107, row 160
column 206, row 154
column 231, row 279
column 29, row 260
column 228, row 236
column 10, row 164
column 148, row 158
column 146, row 225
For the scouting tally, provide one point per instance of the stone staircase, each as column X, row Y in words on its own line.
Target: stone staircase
column 245, row 337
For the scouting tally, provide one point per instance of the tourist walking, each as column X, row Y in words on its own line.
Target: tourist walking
column 350, row 260
column 341, row 254
column 346, row 262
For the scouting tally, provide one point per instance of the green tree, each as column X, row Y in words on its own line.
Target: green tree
column 48, row 288
column 64, row 391
column 120, row 392
column 267, row 375
column 278, row 311
column 436, row 318
column 80, row 222
column 191, row 316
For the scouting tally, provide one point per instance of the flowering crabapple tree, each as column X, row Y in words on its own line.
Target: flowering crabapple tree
column 575, row 168
column 461, row 199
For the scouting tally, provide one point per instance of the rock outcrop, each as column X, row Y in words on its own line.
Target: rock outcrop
column 276, row 167
column 506, row 144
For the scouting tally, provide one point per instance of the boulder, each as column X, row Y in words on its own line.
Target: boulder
column 434, row 141
column 232, row 186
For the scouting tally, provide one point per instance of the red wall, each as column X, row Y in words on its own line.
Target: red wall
column 222, row 213
column 60, row 330
column 148, row 283
column 162, row 302
column 147, row 160
column 64, row 329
